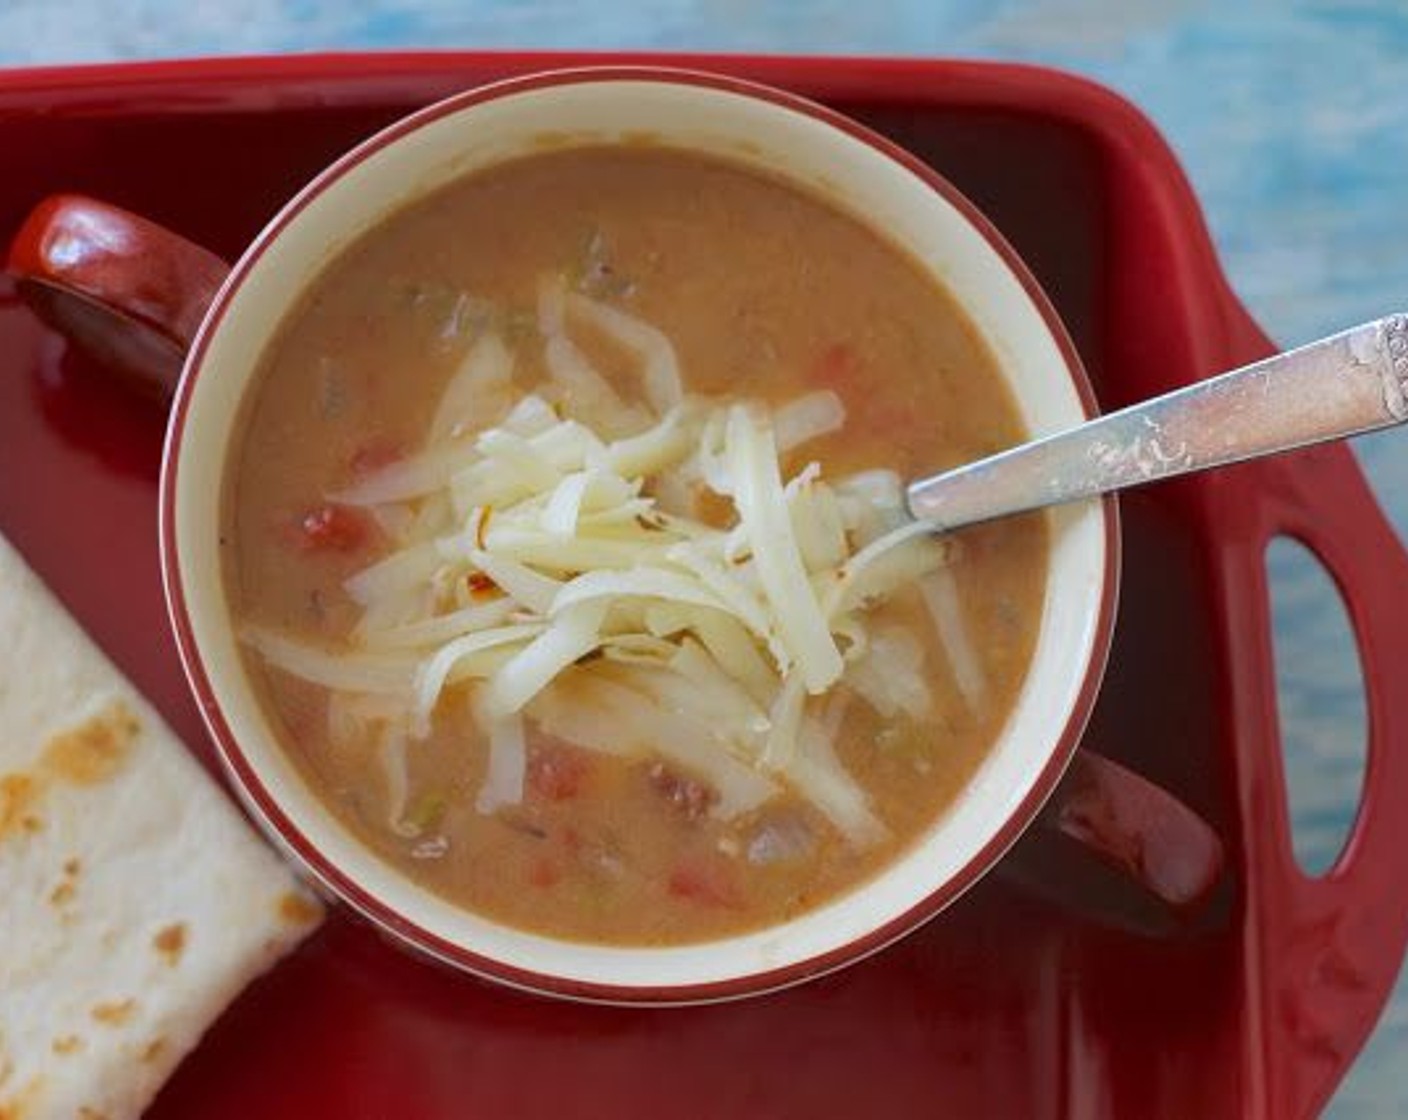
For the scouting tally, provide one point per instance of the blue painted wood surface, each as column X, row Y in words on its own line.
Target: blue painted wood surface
column 1290, row 117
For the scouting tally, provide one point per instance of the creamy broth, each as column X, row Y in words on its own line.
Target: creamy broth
column 766, row 293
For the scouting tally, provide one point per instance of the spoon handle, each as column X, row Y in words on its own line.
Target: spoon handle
column 1352, row 382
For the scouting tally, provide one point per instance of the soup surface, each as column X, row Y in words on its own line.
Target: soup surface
column 554, row 818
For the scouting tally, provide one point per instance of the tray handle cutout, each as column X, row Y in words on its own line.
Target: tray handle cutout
column 1332, row 942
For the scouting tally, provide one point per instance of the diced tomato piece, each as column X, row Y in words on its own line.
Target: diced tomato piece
column 690, row 797
column 557, row 771
column 373, row 456
column 334, row 528
column 710, row 882
column 836, row 368
column 544, row 873
column 480, row 586
column 840, row 369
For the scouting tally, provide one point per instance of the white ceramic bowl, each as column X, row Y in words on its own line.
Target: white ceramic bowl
column 786, row 137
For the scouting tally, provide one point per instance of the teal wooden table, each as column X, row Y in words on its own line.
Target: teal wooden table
column 1291, row 120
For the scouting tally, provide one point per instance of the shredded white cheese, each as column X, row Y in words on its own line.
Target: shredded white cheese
column 767, row 525
column 555, row 556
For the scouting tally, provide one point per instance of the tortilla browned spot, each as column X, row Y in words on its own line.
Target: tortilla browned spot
column 298, row 910
column 95, row 750
column 66, row 1044
column 86, row 1113
column 170, row 942
column 18, row 793
column 113, row 1014
column 17, row 1107
column 64, row 890
column 153, row 1049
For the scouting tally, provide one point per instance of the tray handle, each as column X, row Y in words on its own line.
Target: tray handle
column 1333, row 943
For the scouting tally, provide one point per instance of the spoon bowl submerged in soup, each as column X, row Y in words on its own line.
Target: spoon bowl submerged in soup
column 566, row 539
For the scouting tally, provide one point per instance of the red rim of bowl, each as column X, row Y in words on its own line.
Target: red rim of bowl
column 265, row 806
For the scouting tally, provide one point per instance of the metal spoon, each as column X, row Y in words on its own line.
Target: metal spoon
column 1340, row 386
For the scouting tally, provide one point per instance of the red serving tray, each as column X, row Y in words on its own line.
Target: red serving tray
column 1006, row 1005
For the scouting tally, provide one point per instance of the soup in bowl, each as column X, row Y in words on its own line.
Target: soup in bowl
column 535, row 539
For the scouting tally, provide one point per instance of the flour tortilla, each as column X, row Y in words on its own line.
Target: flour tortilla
column 135, row 903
